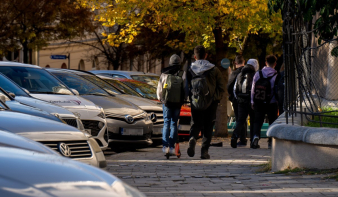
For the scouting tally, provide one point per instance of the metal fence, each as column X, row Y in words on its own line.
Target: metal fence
column 311, row 72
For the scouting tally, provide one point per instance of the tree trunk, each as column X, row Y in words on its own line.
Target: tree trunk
column 221, row 125
column 25, row 52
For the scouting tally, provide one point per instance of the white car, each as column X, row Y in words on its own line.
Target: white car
column 40, row 84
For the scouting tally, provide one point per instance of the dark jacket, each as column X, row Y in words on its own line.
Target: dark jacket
column 231, row 83
column 244, row 83
column 214, row 78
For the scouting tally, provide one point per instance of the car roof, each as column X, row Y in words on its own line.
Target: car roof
column 119, row 79
column 7, row 63
column 77, row 72
column 122, row 72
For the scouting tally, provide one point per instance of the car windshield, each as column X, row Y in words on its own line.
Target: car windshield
column 35, row 80
column 149, row 79
column 122, row 87
column 9, row 86
column 144, row 89
column 102, row 84
column 83, row 86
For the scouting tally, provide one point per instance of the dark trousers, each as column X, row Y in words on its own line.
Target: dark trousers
column 243, row 128
column 203, row 121
column 244, row 109
column 260, row 111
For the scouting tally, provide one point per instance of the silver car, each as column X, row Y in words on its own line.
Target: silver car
column 67, row 140
column 32, row 173
column 127, row 123
column 19, row 99
column 149, row 78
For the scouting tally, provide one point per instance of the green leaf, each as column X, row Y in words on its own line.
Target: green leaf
column 334, row 52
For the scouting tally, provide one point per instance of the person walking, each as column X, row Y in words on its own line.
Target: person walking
column 170, row 91
column 206, row 88
column 242, row 93
column 263, row 98
column 239, row 65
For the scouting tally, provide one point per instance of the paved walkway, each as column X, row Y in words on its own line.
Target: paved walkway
column 229, row 172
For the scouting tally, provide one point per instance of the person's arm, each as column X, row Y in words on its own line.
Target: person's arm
column 220, row 85
column 255, row 79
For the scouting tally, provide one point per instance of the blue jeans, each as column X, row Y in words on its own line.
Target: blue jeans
column 169, row 134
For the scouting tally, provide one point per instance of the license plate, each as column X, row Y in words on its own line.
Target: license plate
column 131, row 131
column 184, row 127
column 157, row 131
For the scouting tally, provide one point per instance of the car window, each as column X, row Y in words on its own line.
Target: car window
column 9, row 86
column 144, row 89
column 149, row 79
column 119, row 76
column 102, row 84
column 83, row 86
column 122, row 87
column 35, row 80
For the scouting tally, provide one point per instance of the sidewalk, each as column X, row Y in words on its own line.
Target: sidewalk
column 229, row 172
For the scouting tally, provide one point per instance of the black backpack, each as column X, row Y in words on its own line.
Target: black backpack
column 243, row 87
column 263, row 92
column 201, row 97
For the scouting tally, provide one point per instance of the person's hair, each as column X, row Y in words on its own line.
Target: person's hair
column 239, row 59
column 199, row 52
column 271, row 60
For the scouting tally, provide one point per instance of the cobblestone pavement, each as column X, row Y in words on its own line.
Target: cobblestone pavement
column 229, row 172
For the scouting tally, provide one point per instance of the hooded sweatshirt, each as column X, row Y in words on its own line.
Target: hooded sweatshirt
column 214, row 77
column 267, row 72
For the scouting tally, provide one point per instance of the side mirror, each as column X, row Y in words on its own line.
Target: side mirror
column 26, row 90
column 11, row 94
column 3, row 98
column 74, row 91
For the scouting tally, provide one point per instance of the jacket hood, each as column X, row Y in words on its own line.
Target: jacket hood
column 268, row 71
column 200, row 66
column 172, row 69
column 248, row 69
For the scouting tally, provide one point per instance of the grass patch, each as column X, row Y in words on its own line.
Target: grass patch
column 326, row 119
column 265, row 167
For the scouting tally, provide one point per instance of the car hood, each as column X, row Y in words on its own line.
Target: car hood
column 28, row 173
column 114, row 105
column 37, row 128
column 67, row 101
column 43, row 105
column 143, row 103
column 8, row 139
column 22, row 108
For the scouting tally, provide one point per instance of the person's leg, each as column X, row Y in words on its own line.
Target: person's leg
column 196, row 126
column 260, row 112
column 173, row 126
column 166, row 127
column 252, row 122
column 272, row 116
column 239, row 131
column 210, row 118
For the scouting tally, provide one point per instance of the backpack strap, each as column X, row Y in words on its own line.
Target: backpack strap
column 272, row 76
column 261, row 74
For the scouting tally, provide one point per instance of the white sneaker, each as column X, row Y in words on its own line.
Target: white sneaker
column 165, row 149
column 172, row 151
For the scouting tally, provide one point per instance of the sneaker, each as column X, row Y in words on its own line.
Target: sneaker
column 165, row 149
column 205, row 154
column 233, row 142
column 254, row 143
column 172, row 151
column 191, row 148
column 242, row 143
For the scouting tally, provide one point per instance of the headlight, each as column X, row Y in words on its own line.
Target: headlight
column 77, row 114
column 101, row 114
column 125, row 190
column 95, row 146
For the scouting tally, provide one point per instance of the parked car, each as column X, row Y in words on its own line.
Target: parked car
column 127, row 123
column 31, row 173
column 40, row 84
column 149, row 92
column 154, row 110
column 67, row 140
column 19, row 100
column 149, row 78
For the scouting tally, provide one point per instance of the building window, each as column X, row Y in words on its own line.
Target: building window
column 81, row 65
column 64, row 66
column 47, row 66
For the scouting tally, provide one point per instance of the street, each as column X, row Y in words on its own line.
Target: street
column 229, row 172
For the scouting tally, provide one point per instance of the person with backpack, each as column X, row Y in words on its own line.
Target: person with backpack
column 170, row 91
column 239, row 65
column 206, row 88
column 242, row 93
column 263, row 98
